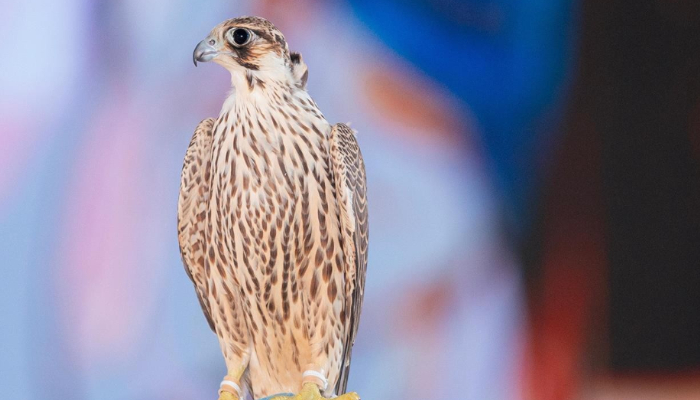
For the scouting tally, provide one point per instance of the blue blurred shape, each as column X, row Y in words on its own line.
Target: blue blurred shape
column 508, row 60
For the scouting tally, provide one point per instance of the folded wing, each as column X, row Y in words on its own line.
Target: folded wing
column 351, row 192
column 191, row 210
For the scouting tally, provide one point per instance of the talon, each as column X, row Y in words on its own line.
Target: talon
column 348, row 396
column 227, row 396
column 311, row 391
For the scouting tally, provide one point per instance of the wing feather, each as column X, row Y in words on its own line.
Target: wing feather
column 351, row 192
column 191, row 210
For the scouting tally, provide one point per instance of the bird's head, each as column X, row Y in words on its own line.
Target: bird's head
column 254, row 51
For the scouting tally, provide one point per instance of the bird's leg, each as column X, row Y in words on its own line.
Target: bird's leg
column 230, row 388
column 228, row 396
column 311, row 391
column 234, row 343
column 236, row 365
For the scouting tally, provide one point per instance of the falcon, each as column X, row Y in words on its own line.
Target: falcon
column 272, row 223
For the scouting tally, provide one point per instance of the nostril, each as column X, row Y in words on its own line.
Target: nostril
column 211, row 42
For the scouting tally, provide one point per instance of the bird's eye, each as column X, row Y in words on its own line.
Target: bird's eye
column 240, row 36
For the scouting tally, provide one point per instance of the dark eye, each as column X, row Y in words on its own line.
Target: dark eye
column 240, row 36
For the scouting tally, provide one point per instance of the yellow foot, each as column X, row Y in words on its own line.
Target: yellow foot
column 348, row 396
column 227, row 396
column 310, row 392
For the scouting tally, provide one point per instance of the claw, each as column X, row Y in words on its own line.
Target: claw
column 348, row 396
column 228, row 396
column 311, row 392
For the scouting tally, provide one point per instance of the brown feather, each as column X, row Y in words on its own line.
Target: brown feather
column 191, row 208
column 349, row 174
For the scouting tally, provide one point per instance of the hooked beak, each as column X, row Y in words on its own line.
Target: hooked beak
column 204, row 52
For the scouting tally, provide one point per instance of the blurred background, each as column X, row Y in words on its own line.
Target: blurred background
column 534, row 186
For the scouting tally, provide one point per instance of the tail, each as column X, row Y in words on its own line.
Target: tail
column 247, row 386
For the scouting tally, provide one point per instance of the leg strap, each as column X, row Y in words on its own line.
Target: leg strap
column 316, row 377
column 228, row 385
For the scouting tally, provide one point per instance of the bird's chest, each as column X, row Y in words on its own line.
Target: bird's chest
column 270, row 191
column 260, row 174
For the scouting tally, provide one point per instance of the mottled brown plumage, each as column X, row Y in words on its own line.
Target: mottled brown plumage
column 272, row 220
